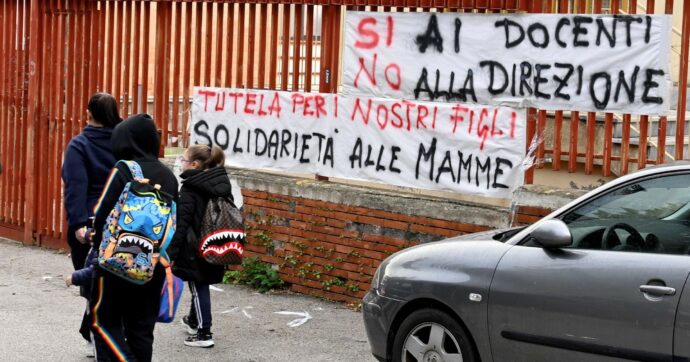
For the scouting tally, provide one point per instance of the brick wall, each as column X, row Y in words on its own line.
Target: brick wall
column 332, row 250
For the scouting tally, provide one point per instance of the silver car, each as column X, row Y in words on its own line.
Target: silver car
column 603, row 278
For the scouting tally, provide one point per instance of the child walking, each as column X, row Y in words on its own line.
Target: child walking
column 203, row 177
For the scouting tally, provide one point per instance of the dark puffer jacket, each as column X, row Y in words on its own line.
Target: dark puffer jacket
column 197, row 188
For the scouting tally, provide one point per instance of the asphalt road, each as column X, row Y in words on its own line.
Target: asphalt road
column 40, row 317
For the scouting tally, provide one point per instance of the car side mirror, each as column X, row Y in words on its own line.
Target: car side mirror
column 552, row 233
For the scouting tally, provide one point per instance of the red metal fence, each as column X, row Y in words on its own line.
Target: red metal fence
column 150, row 54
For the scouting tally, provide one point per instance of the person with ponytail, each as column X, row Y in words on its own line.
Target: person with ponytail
column 203, row 177
column 88, row 160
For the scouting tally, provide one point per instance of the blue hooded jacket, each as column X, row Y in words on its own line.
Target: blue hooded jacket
column 88, row 161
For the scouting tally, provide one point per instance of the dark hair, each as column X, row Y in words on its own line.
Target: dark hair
column 103, row 108
column 208, row 156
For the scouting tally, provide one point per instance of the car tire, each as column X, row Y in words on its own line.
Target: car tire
column 414, row 341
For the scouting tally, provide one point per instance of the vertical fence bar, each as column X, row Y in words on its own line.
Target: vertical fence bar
column 208, row 51
column 4, row 126
column 625, row 141
column 126, row 81
column 58, row 120
column 146, row 14
column 230, row 47
column 541, row 130
column 41, row 164
column 310, row 47
column 335, row 57
column 625, row 145
column 20, row 115
column 273, row 67
column 102, row 18
column 136, row 40
column 48, row 105
column 608, row 126
column 177, row 7
column 644, row 119
column 262, row 45
column 159, row 67
column 78, row 92
column 239, row 81
column 661, row 146
column 165, row 124
column 251, row 41
column 70, row 74
column 325, row 51
column 7, row 116
column 16, row 114
column 119, row 47
column 296, row 47
column 84, row 85
column 197, row 43
column 285, row 47
column 220, row 52
column 110, row 43
column 31, row 117
column 186, row 83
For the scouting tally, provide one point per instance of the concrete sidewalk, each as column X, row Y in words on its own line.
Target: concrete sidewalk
column 40, row 318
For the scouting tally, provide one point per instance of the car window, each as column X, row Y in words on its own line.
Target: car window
column 651, row 215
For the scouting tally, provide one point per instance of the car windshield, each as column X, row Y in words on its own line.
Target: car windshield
column 656, row 199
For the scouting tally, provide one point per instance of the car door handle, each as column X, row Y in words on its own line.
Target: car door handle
column 657, row 290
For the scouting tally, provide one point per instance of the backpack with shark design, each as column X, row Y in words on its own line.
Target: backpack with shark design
column 138, row 230
column 222, row 232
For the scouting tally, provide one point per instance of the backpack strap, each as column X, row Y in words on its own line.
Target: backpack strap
column 134, row 169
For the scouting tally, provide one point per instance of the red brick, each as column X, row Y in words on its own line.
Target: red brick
column 255, row 248
column 434, row 230
column 398, row 243
column 527, row 219
column 253, row 194
column 336, row 223
column 298, row 224
column 532, row 210
column 267, row 204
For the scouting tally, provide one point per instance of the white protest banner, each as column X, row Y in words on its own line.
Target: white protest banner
column 439, row 146
column 548, row 61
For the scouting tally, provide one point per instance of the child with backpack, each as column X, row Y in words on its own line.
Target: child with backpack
column 134, row 221
column 205, row 186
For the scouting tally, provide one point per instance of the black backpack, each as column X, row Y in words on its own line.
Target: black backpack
column 222, row 232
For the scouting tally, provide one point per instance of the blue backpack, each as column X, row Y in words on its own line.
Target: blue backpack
column 170, row 298
column 138, row 230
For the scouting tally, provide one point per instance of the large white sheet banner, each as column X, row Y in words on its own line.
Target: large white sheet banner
column 548, row 61
column 439, row 146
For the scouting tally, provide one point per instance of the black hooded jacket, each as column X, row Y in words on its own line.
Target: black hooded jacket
column 134, row 139
column 197, row 188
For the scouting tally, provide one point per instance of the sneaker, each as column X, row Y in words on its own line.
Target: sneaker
column 192, row 328
column 203, row 340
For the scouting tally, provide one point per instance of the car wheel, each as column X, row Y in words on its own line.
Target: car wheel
column 430, row 335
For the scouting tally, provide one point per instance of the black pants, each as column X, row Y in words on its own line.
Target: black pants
column 78, row 254
column 124, row 315
column 200, row 310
